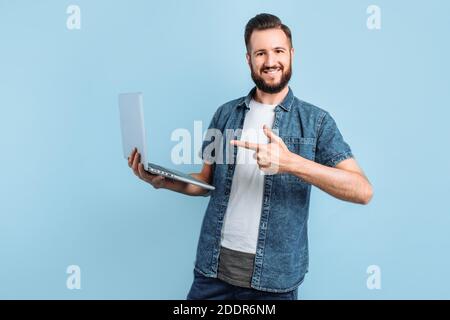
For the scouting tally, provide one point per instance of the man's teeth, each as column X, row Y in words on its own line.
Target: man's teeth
column 272, row 70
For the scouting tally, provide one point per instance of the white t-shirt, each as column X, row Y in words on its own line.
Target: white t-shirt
column 241, row 221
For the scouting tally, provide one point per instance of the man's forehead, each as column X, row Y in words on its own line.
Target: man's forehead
column 269, row 39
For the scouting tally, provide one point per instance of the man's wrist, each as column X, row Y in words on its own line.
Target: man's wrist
column 295, row 164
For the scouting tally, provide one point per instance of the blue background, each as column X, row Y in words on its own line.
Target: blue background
column 68, row 196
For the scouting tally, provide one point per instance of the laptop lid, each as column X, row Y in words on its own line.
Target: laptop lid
column 131, row 111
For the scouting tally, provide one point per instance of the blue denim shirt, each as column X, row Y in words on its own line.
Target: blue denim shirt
column 281, row 259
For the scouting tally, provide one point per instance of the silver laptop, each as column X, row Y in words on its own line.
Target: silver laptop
column 133, row 136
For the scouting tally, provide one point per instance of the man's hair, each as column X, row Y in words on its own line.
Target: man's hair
column 264, row 21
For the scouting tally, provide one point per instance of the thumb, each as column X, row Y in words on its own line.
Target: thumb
column 269, row 133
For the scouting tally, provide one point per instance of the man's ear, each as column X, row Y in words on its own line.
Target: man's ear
column 292, row 51
column 248, row 59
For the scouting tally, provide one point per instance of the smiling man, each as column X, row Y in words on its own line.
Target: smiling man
column 253, row 242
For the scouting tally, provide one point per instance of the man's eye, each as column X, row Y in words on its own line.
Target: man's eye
column 259, row 54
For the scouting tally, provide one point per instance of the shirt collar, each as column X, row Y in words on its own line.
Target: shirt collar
column 285, row 104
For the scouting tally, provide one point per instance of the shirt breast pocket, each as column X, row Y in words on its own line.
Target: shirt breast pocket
column 304, row 147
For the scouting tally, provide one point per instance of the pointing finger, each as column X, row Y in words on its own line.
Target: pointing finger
column 245, row 144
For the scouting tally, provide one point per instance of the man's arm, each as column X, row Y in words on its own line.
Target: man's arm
column 346, row 181
column 161, row 182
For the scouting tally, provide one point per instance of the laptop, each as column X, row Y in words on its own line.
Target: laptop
column 133, row 136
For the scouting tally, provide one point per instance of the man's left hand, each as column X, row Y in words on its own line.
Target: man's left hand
column 273, row 157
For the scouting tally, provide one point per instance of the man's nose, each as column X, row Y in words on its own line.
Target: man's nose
column 270, row 60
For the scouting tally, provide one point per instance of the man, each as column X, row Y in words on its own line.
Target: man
column 253, row 242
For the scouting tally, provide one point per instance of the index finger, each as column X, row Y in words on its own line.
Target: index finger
column 131, row 157
column 245, row 144
column 133, row 152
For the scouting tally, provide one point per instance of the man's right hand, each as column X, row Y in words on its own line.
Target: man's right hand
column 158, row 181
column 138, row 168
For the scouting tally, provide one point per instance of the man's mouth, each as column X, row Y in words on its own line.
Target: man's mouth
column 272, row 71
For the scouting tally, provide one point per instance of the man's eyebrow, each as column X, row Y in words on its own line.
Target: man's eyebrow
column 260, row 50
column 275, row 48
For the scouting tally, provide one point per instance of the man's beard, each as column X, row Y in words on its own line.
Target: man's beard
column 262, row 85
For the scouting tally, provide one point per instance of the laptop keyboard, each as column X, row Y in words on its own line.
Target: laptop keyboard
column 168, row 172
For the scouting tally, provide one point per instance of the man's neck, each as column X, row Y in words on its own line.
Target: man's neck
column 271, row 98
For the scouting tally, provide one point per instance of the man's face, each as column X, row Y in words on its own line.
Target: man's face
column 269, row 57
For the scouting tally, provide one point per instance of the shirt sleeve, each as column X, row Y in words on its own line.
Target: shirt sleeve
column 331, row 147
column 209, row 144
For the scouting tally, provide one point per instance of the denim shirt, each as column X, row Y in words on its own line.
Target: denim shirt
column 281, row 259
